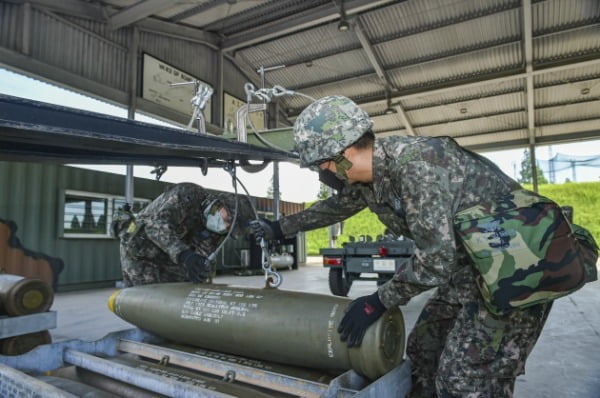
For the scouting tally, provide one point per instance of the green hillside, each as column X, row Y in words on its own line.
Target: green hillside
column 584, row 197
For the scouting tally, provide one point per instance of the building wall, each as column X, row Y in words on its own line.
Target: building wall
column 32, row 196
column 88, row 56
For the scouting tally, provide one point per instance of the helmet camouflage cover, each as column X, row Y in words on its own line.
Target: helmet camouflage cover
column 327, row 127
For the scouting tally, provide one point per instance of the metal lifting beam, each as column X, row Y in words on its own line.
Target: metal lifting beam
column 37, row 131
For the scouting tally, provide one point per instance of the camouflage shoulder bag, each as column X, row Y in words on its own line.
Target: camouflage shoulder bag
column 525, row 250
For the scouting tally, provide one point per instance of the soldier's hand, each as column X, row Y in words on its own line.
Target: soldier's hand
column 360, row 314
column 196, row 265
column 267, row 229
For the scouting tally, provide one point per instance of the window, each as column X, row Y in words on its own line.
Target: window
column 89, row 215
column 138, row 204
column 85, row 215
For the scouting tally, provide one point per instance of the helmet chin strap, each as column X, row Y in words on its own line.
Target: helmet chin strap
column 341, row 167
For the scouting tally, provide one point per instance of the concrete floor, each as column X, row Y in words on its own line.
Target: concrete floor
column 565, row 362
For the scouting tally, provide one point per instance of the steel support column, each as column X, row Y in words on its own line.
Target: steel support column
column 528, row 58
column 217, row 108
column 133, row 50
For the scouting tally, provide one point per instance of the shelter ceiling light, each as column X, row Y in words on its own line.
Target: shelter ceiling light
column 343, row 25
column 463, row 110
column 585, row 91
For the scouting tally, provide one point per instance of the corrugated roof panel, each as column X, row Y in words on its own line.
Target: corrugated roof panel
column 568, row 75
column 412, row 16
column 293, row 104
column 216, row 13
column 390, row 122
column 551, row 15
column 178, row 7
column 510, row 121
column 568, row 113
column 78, row 51
column 374, row 107
column 451, row 68
column 121, row 3
column 234, row 83
column 592, row 126
column 399, row 131
column 356, row 89
column 495, row 137
column 10, row 21
column 121, row 37
column 260, row 14
column 572, row 43
column 461, row 37
column 464, row 94
column 322, row 40
column 193, row 58
column 345, row 64
column 468, row 109
column 569, row 92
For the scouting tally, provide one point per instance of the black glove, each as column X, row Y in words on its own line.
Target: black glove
column 360, row 314
column 197, row 266
column 267, row 229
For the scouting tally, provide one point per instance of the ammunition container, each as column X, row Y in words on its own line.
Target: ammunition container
column 288, row 327
column 24, row 296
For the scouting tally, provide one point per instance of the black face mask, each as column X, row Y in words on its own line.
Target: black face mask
column 329, row 178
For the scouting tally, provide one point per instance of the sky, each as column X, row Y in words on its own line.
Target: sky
column 296, row 184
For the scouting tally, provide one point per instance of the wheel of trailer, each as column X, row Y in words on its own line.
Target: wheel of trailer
column 338, row 284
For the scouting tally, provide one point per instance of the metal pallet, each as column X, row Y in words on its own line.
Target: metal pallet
column 17, row 374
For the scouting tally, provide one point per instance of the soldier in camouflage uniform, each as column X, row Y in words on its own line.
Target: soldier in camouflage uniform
column 415, row 185
column 171, row 238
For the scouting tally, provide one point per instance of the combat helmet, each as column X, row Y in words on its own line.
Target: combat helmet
column 327, row 127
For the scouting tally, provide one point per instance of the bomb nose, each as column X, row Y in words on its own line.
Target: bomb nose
column 112, row 299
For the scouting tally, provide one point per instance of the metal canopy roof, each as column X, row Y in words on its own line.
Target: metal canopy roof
column 36, row 131
column 491, row 73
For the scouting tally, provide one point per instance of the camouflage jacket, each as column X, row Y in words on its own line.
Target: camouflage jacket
column 173, row 222
column 419, row 183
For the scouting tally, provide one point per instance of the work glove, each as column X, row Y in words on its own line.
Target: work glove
column 197, row 266
column 360, row 314
column 267, row 229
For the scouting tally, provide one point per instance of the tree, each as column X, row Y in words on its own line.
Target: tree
column 270, row 190
column 75, row 224
column 323, row 192
column 526, row 175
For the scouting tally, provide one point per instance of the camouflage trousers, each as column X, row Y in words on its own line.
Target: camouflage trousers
column 150, row 266
column 459, row 349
